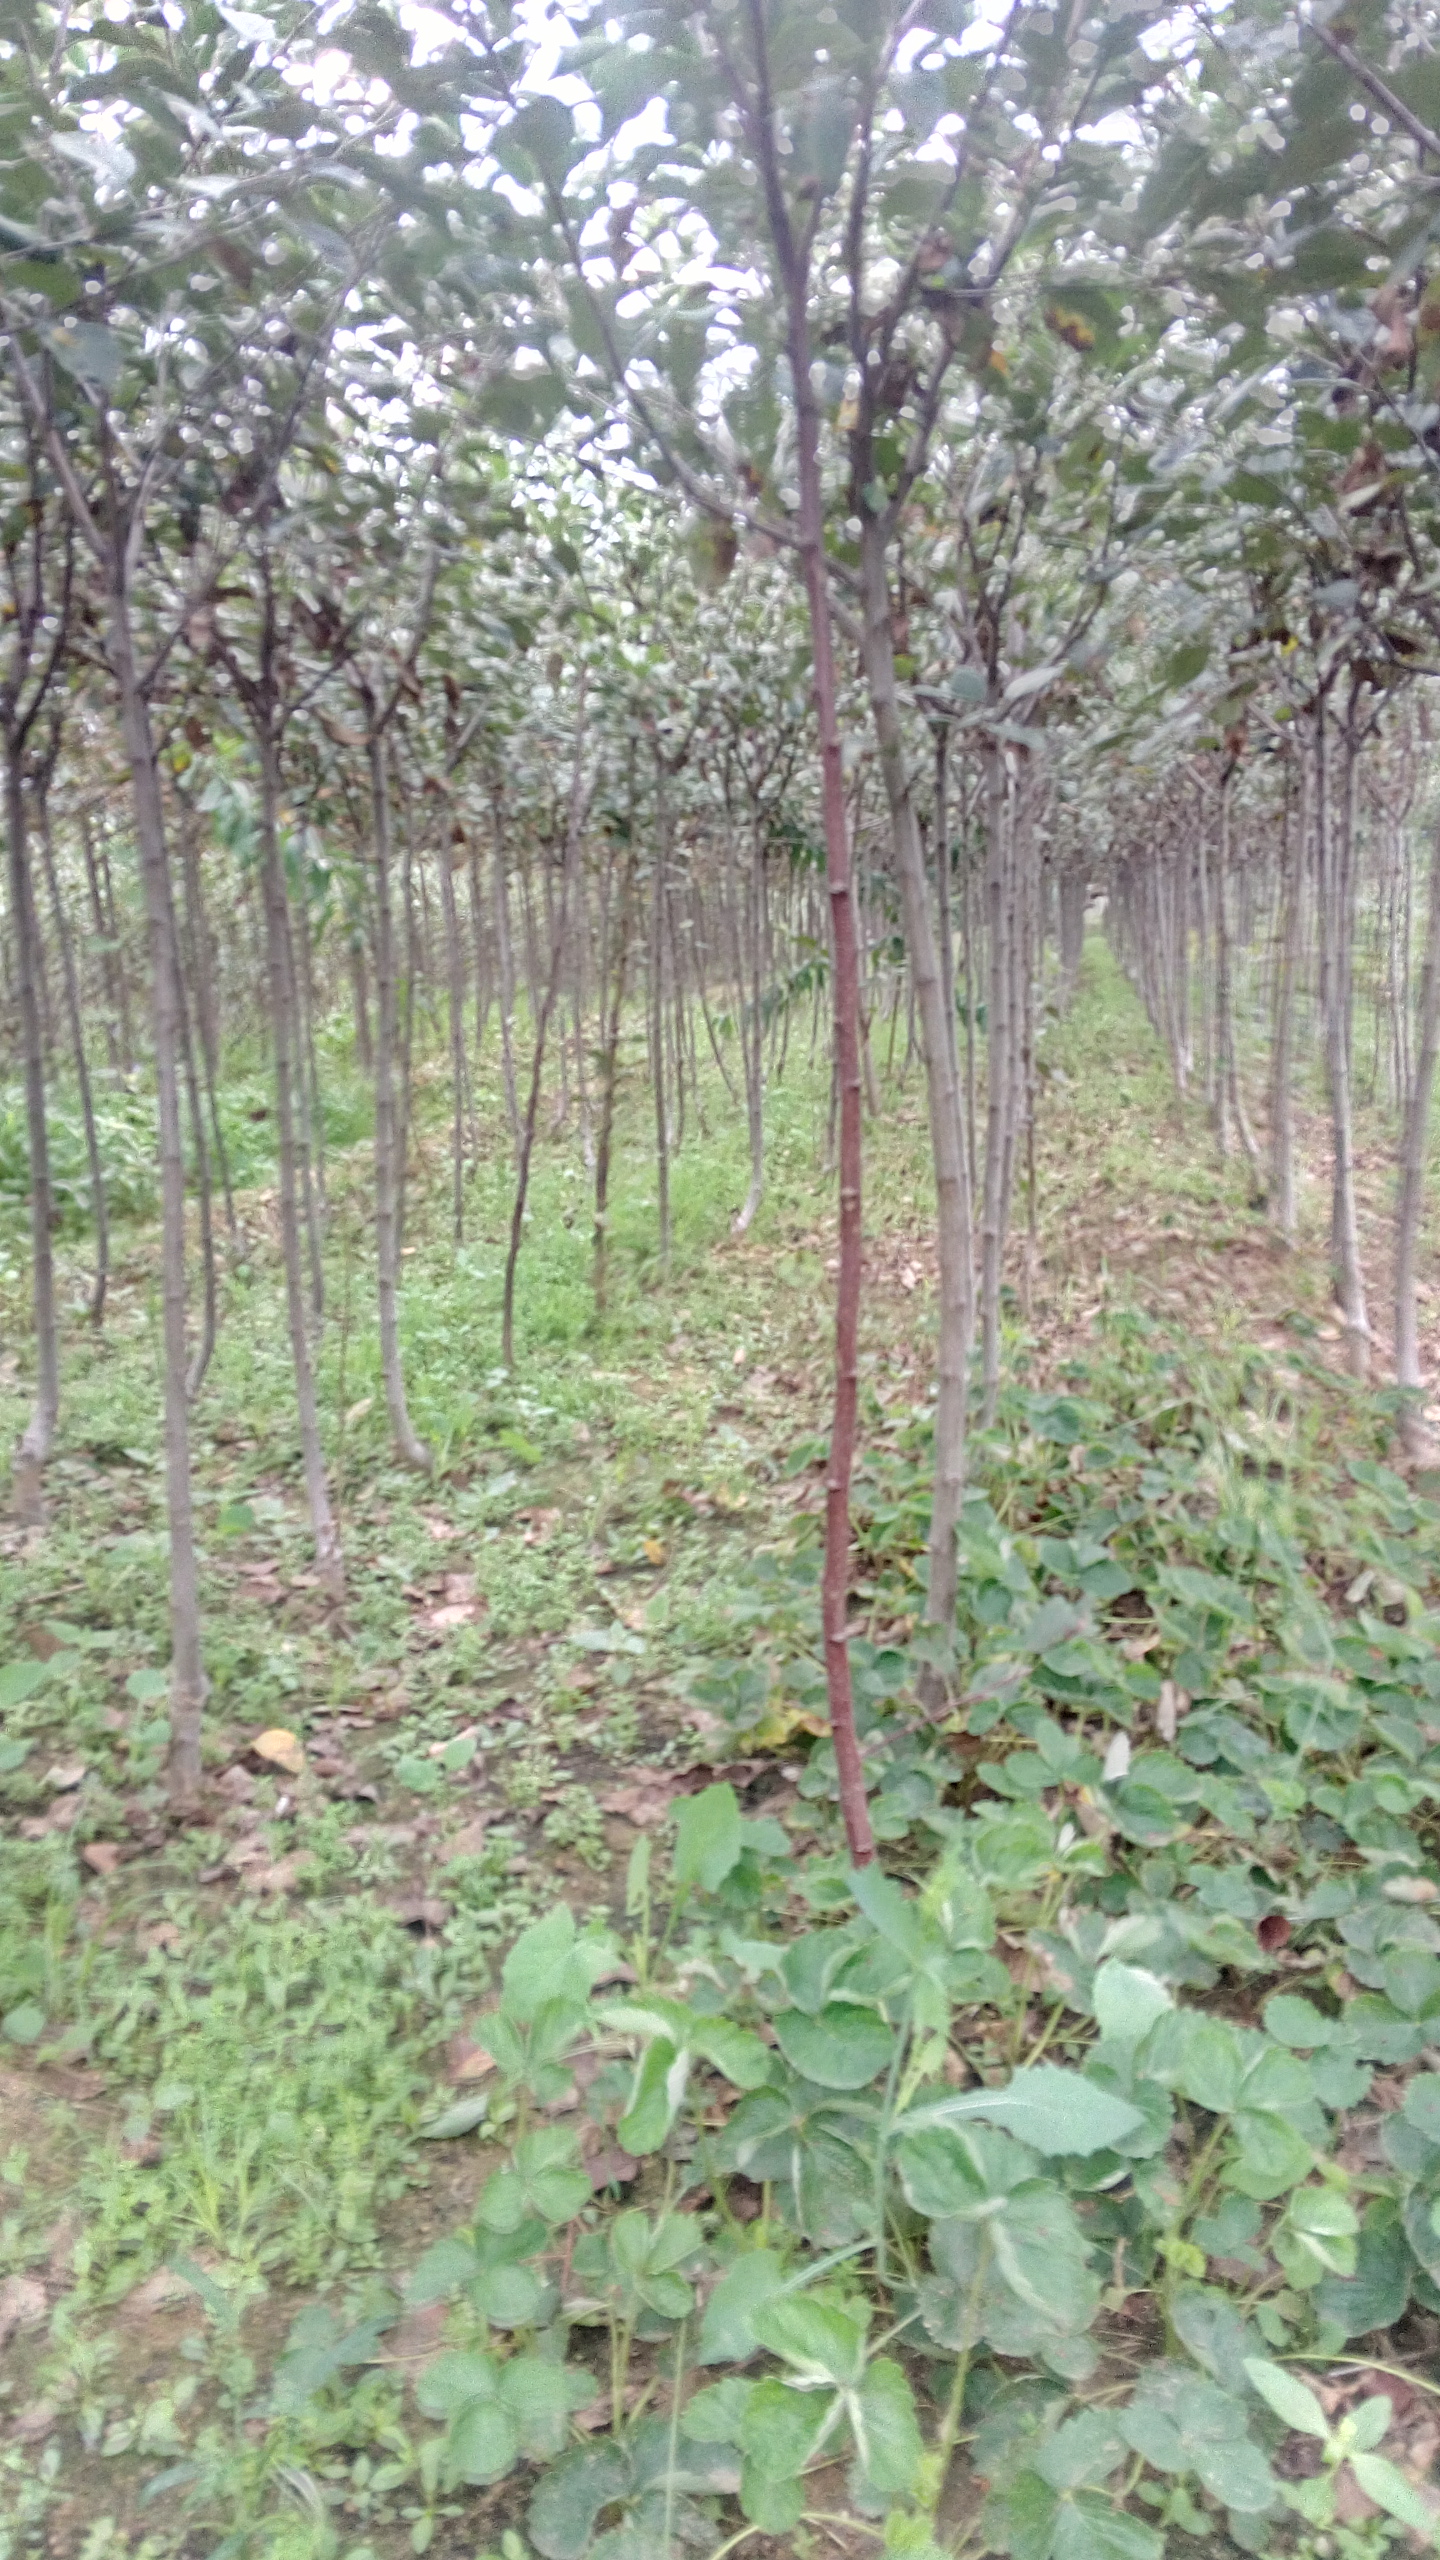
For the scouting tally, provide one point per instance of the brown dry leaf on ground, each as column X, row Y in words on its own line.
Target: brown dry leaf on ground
column 540, row 1526
column 280, row 1749
column 469, row 1842
column 23, row 2305
column 645, row 1800
column 459, row 1603
column 416, row 2340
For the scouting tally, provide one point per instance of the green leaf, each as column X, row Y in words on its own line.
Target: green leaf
column 842, row 2048
column 542, row 134
column 1369, row 2425
column 509, row 2295
column 1054, row 2111
column 1297, row 2022
column 1020, row 2279
column 1292, row 2400
column 1082, row 2452
column 541, row 2398
column 716, row 2414
column 821, row 136
column 571, row 2495
column 950, row 2169
column 1184, row 664
column 482, row 2443
column 1421, row 2104
column 453, row 2381
column 655, row 2098
column 1391, row 2490
column 727, row 2331
column 1089, row 2528
column 20, row 1680
column 1208, row 2324
column 709, row 1837
column 887, row 2432
column 1200, row 2055
column 25, row 2023
column 443, row 2269
column 1180, row 2421
column 1270, row 2156
column 462, row 2117
column 820, row 2340
column 1377, row 2294
column 550, row 1966
column 782, row 2430
column 92, row 353
column 1128, row 2000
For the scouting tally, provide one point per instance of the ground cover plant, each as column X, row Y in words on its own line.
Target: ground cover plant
column 1058, row 2182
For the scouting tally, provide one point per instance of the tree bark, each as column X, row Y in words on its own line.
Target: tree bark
column 1415, row 1437
column 845, row 981
column 954, row 1215
column 187, row 1675
column 75, row 1012
column 1336, row 848
column 1282, row 1072
column 409, row 1446
column 998, row 1071
column 37, row 1440
column 328, row 1559
column 575, row 823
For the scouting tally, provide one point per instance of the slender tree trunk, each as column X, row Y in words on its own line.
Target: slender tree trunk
column 1282, row 1079
column 575, row 824
column 997, row 1077
column 609, row 1074
column 752, row 1038
column 75, row 1013
column 1415, row 1129
column 110, row 971
column 845, row 984
column 37, row 1440
column 199, row 949
column 1337, row 854
column 360, row 996
column 505, row 964
column 658, row 879
column 328, row 1559
column 930, row 978
column 187, row 1675
column 1229, row 1098
column 455, row 959
column 409, row 1446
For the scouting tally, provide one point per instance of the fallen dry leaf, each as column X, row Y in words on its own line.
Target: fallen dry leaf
column 1170, row 1707
column 469, row 1842
column 280, row 1749
column 417, row 2339
column 473, row 2064
column 164, row 2291
column 22, row 2305
column 36, row 2421
column 642, row 1801
column 102, row 1857
column 611, row 2167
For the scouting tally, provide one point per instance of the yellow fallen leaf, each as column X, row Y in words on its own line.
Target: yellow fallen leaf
column 284, row 1750
column 654, row 1550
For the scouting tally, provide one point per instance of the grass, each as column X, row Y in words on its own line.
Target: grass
column 219, row 2048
